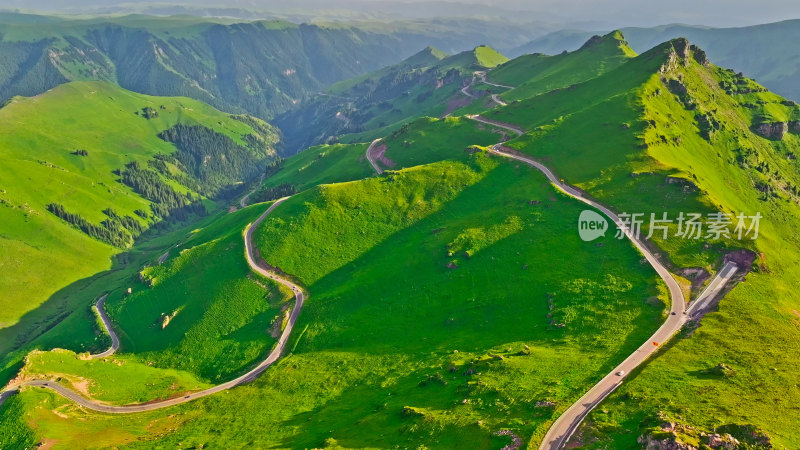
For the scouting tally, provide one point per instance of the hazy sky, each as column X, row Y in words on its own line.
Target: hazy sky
column 650, row 12
column 603, row 13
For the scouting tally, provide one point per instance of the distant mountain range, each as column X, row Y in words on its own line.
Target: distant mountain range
column 766, row 52
column 427, row 83
column 261, row 68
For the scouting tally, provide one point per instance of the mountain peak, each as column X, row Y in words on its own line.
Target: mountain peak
column 488, row 57
column 426, row 57
column 614, row 39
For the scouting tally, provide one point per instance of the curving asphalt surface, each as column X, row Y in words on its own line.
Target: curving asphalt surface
column 715, row 287
column 371, row 159
column 566, row 424
column 498, row 101
column 482, row 76
column 274, row 355
column 243, row 201
column 109, row 329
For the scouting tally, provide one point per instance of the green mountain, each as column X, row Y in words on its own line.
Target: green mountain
column 87, row 168
column 426, row 84
column 669, row 132
column 261, row 68
column 764, row 52
column 538, row 73
column 451, row 299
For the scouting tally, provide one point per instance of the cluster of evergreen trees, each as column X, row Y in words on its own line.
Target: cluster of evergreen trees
column 274, row 193
column 167, row 202
column 213, row 158
column 117, row 230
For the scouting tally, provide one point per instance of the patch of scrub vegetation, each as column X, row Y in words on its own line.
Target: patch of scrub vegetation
column 429, row 140
column 399, row 348
column 204, row 310
column 39, row 169
column 473, row 240
column 669, row 132
column 117, row 379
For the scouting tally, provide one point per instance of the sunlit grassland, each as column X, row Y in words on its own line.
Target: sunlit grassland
column 400, row 348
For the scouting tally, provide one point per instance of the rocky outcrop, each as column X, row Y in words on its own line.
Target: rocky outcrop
column 775, row 130
column 725, row 442
column 669, row 443
column 794, row 126
column 699, row 55
column 682, row 47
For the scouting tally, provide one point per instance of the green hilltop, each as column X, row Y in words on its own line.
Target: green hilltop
column 536, row 73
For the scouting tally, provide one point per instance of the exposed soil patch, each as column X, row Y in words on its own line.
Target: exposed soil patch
column 455, row 103
column 796, row 313
column 379, row 154
column 47, row 444
column 742, row 258
column 81, row 385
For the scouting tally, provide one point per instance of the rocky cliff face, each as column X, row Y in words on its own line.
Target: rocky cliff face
column 775, row 131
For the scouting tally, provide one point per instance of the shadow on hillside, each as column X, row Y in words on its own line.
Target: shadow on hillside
column 65, row 319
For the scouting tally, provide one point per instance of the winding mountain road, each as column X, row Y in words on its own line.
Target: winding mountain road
column 566, row 424
column 101, row 311
column 370, row 156
column 244, row 200
column 251, row 375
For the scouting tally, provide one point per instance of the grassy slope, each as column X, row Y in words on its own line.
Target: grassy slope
column 536, row 74
column 38, row 135
column 391, row 381
column 593, row 141
column 428, row 140
column 592, row 135
column 322, row 165
column 233, row 329
column 424, row 141
column 220, row 312
column 762, row 390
